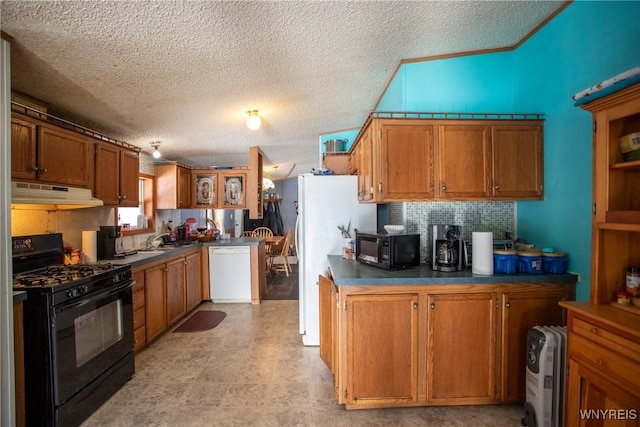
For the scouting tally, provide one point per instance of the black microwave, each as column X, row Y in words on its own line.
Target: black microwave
column 388, row 251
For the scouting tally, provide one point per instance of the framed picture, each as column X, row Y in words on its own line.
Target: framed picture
column 206, row 190
column 234, row 190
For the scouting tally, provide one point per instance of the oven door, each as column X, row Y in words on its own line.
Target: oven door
column 90, row 336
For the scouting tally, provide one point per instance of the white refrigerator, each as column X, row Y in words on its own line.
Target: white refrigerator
column 324, row 203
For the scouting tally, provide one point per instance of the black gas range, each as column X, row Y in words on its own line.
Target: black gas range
column 78, row 331
column 68, row 282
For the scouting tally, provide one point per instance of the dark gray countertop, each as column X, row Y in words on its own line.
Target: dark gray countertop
column 146, row 257
column 350, row 272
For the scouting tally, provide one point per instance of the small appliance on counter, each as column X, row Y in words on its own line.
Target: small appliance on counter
column 107, row 242
column 388, row 251
column 449, row 252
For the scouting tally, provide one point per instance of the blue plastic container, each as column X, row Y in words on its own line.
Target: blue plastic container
column 505, row 261
column 555, row 263
column 530, row 262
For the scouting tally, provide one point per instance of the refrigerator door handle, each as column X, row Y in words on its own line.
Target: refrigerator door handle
column 296, row 243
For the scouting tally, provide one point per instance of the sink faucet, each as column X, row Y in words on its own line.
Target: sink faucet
column 153, row 238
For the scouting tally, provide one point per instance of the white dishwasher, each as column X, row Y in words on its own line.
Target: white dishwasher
column 230, row 273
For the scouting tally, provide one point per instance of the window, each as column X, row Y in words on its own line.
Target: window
column 145, row 209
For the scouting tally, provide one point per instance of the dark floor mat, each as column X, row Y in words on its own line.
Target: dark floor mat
column 202, row 320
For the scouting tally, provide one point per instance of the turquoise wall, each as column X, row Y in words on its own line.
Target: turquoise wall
column 586, row 43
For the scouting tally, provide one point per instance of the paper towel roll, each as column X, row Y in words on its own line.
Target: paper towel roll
column 482, row 253
column 90, row 246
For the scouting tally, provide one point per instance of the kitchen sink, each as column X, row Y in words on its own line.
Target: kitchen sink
column 158, row 250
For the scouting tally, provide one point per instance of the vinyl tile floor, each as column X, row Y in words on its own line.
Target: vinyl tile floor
column 252, row 370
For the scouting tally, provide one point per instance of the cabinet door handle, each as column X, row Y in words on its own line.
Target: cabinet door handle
column 34, row 168
column 432, row 306
column 415, row 305
column 495, row 187
column 443, row 188
column 123, row 197
column 507, row 305
column 43, row 170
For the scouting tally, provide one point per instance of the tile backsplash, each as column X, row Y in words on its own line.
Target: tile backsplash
column 417, row 217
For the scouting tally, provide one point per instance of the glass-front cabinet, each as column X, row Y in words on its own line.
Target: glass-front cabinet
column 205, row 184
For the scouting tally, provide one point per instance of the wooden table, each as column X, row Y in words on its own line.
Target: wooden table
column 271, row 241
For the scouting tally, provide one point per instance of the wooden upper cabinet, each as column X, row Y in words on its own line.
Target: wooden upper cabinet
column 616, row 192
column 233, row 189
column 107, row 180
column 23, row 149
column 361, row 164
column 205, row 189
column 517, row 161
column 117, row 175
column 255, row 189
column 405, row 161
column 173, row 186
column 463, row 161
column 184, row 188
column 442, row 158
column 129, row 178
column 393, row 160
column 64, row 157
column 47, row 153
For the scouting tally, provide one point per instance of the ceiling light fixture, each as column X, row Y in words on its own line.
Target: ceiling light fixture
column 253, row 120
column 156, row 153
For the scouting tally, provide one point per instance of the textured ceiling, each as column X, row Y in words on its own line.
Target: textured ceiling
column 185, row 72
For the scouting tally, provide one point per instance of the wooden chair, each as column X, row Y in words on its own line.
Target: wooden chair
column 263, row 232
column 281, row 252
column 247, row 234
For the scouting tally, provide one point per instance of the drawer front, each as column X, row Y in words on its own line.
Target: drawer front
column 607, row 339
column 139, row 336
column 139, row 286
column 138, row 300
column 611, row 355
column 138, row 319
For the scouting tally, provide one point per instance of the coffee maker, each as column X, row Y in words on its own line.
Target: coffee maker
column 448, row 248
column 107, row 242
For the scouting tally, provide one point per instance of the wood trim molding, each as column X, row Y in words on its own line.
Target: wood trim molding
column 469, row 53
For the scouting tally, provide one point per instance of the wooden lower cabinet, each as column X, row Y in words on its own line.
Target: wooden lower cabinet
column 176, row 290
column 327, row 299
column 193, row 280
column 172, row 288
column 155, row 301
column 521, row 312
column 382, row 351
column 413, row 345
column 603, row 360
column 461, row 359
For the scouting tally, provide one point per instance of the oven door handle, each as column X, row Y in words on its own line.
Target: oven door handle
column 111, row 291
